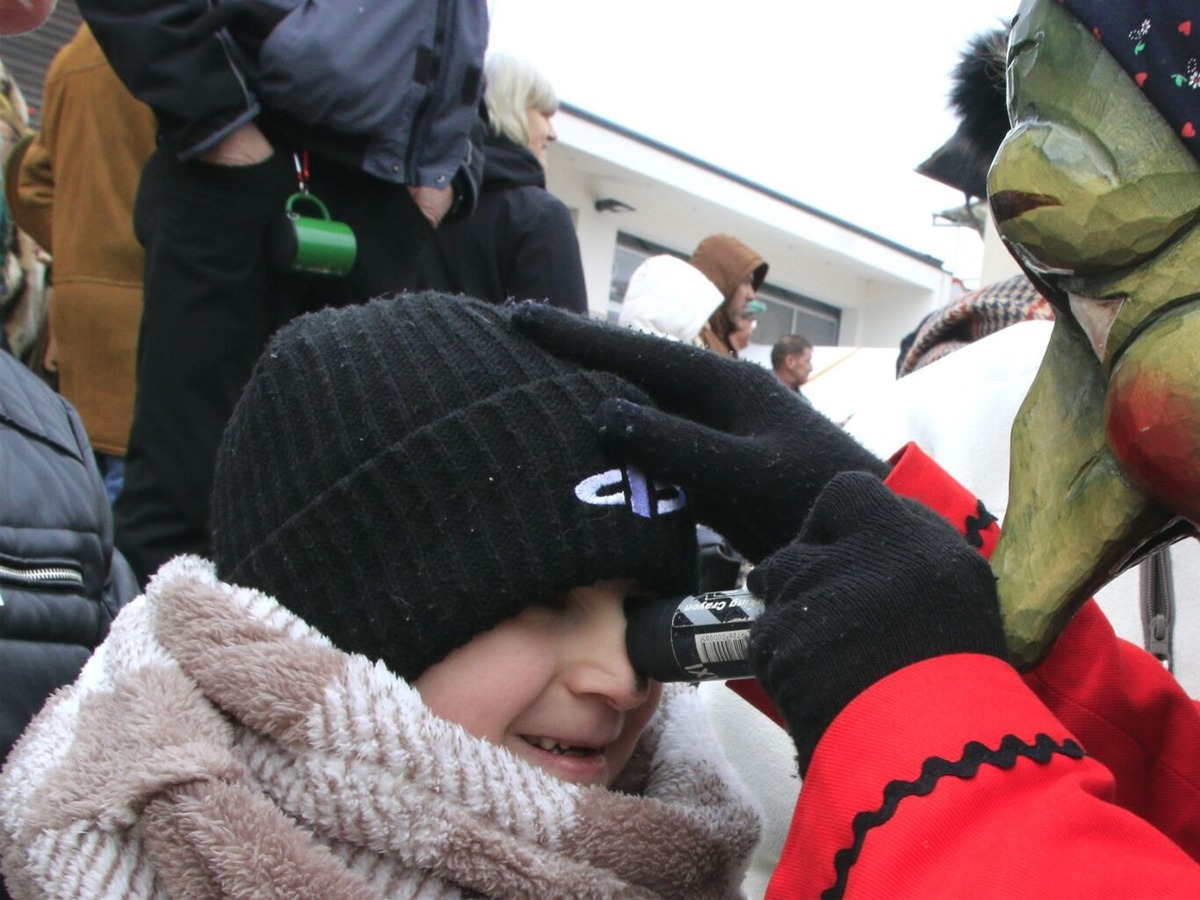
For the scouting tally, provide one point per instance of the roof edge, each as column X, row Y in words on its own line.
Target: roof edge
column 594, row 119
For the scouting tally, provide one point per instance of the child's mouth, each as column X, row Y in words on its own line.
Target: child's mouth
column 585, row 763
column 552, row 746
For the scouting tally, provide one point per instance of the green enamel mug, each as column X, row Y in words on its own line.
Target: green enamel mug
column 313, row 244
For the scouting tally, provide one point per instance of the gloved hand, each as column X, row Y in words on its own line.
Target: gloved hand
column 873, row 583
column 750, row 456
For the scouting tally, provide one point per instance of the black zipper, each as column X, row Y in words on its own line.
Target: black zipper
column 1157, row 592
column 49, row 575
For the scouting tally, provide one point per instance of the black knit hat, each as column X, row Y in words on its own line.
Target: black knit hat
column 407, row 474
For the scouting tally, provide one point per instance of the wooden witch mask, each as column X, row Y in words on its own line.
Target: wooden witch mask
column 1096, row 192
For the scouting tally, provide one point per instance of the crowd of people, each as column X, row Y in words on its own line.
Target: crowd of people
column 355, row 624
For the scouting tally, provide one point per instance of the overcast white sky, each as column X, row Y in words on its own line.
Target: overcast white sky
column 831, row 103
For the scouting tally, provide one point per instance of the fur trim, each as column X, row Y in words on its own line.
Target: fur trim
column 978, row 97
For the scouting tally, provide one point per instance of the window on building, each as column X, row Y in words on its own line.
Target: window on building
column 792, row 313
column 787, row 311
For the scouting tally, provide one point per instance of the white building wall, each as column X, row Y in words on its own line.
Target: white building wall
column 888, row 313
column 882, row 289
column 597, row 235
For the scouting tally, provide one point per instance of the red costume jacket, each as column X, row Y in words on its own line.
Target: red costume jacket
column 959, row 778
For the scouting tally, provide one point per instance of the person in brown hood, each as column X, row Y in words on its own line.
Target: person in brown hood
column 738, row 272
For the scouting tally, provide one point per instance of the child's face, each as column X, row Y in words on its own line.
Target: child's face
column 553, row 684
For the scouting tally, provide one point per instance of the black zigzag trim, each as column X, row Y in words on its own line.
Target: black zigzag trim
column 975, row 755
column 977, row 523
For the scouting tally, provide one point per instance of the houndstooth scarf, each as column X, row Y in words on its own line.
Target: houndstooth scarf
column 216, row 746
column 972, row 316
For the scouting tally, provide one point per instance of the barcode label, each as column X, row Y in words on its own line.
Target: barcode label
column 728, row 646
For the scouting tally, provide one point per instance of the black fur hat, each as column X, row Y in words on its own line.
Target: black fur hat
column 978, row 97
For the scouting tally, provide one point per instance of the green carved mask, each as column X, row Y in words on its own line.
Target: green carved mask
column 1098, row 201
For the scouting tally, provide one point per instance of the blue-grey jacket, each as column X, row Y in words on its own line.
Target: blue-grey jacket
column 392, row 86
column 61, row 582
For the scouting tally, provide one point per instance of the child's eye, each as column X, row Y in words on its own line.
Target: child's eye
column 635, row 599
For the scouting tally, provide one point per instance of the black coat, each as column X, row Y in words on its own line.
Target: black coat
column 61, row 582
column 519, row 244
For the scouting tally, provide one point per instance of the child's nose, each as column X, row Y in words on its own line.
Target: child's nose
column 602, row 667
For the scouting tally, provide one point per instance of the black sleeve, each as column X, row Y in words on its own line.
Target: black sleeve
column 194, row 85
column 547, row 265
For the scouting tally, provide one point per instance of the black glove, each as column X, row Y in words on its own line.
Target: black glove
column 873, row 583
column 750, row 456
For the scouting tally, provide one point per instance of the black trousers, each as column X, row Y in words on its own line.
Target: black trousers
column 212, row 302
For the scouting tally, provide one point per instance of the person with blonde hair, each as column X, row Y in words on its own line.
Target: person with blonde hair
column 520, row 244
column 520, row 103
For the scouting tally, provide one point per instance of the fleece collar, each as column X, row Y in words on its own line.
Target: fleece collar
column 255, row 759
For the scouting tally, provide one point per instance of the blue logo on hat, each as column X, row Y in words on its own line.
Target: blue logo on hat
column 629, row 486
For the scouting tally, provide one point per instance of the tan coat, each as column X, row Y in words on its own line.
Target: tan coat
column 72, row 189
